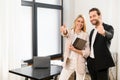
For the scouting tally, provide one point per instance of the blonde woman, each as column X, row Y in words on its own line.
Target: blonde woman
column 74, row 59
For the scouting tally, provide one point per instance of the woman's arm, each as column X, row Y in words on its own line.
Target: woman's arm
column 75, row 50
column 85, row 52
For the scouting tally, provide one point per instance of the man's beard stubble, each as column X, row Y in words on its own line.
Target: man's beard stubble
column 96, row 23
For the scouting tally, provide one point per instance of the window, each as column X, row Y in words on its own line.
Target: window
column 47, row 18
column 48, row 36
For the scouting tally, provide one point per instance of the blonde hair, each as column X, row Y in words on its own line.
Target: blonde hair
column 84, row 25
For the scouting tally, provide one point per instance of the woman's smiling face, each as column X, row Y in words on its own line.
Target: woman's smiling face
column 79, row 23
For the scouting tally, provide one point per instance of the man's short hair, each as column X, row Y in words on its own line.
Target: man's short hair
column 95, row 9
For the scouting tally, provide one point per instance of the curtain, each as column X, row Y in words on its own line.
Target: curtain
column 3, row 44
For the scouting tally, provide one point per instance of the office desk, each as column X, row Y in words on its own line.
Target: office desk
column 38, row 74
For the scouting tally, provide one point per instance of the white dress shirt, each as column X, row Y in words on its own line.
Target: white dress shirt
column 92, row 43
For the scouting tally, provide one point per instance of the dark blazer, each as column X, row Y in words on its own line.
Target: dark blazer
column 101, row 46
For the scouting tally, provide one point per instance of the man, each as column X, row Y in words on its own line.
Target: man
column 100, row 59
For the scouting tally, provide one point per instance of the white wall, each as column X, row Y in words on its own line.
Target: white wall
column 110, row 13
column 118, row 30
column 68, row 11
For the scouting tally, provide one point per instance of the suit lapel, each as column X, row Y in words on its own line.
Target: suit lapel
column 97, row 35
column 91, row 36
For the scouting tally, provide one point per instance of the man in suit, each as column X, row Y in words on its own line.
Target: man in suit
column 100, row 59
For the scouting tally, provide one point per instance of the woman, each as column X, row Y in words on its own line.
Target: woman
column 74, row 59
